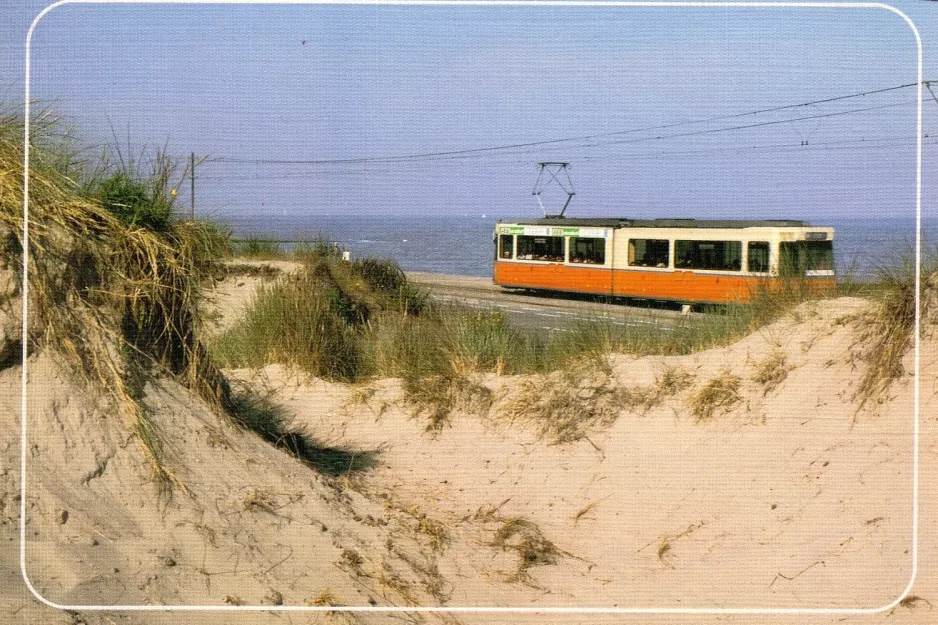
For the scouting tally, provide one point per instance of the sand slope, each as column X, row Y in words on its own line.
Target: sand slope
column 788, row 499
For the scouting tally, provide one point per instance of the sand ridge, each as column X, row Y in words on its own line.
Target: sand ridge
column 789, row 498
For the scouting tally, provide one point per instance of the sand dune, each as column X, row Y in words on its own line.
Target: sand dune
column 786, row 498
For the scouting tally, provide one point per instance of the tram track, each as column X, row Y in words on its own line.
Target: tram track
column 537, row 310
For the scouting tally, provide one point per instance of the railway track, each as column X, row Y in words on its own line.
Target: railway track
column 537, row 310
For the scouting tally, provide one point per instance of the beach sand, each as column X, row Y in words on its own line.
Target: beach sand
column 788, row 498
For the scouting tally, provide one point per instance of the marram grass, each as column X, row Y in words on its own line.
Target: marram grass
column 106, row 294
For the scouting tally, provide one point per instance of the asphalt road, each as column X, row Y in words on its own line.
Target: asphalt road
column 550, row 312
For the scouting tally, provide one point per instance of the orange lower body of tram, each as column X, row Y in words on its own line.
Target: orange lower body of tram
column 671, row 285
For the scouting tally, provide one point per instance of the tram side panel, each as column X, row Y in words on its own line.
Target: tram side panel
column 644, row 267
column 684, row 286
column 558, row 259
column 553, row 276
column 701, row 266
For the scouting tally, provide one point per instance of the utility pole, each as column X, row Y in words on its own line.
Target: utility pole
column 192, row 179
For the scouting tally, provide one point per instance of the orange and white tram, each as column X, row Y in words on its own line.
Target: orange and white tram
column 682, row 260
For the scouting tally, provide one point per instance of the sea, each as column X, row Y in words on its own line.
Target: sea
column 463, row 245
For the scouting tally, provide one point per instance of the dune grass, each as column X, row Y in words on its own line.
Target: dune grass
column 363, row 321
column 886, row 331
column 115, row 281
column 718, row 394
column 258, row 248
column 771, row 371
column 109, row 291
column 112, row 292
column 526, row 540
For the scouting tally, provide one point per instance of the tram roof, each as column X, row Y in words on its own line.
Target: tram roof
column 624, row 222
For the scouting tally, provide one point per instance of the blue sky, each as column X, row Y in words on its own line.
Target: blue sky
column 244, row 85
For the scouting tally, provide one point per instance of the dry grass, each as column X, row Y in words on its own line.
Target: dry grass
column 720, row 393
column 672, row 380
column 110, row 297
column 563, row 407
column 771, row 372
column 886, row 332
column 526, row 540
column 437, row 397
column 666, row 543
column 583, row 512
column 326, row 599
column 435, row 531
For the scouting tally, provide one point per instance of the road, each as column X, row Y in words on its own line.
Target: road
column 535, row 310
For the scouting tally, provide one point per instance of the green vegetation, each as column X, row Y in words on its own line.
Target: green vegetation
column 360, row 321
column 115, row 282
column 139, row 189
column 258, row 248
column 133, row 202
column 113, row 292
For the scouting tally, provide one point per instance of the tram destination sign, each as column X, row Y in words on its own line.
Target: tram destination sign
column 553, row 231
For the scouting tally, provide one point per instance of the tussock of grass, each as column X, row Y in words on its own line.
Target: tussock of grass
column 526, row 540
column 565, row 406
column 436, row 397
column 771, row 372
column 672, row 380
column 294, row 322
column 720, row 393
column 885, row 333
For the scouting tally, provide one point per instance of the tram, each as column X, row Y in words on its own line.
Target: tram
column 681, row 260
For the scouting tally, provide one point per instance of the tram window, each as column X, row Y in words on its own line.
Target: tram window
column 711, row 255
column 504, row 245
column 648, row 252
column 588, row 251
column 804, row 258
column 548, row 249
column 758, row 256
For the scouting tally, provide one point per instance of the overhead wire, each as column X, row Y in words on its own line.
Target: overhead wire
column 473, row 152
column 846, row 144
